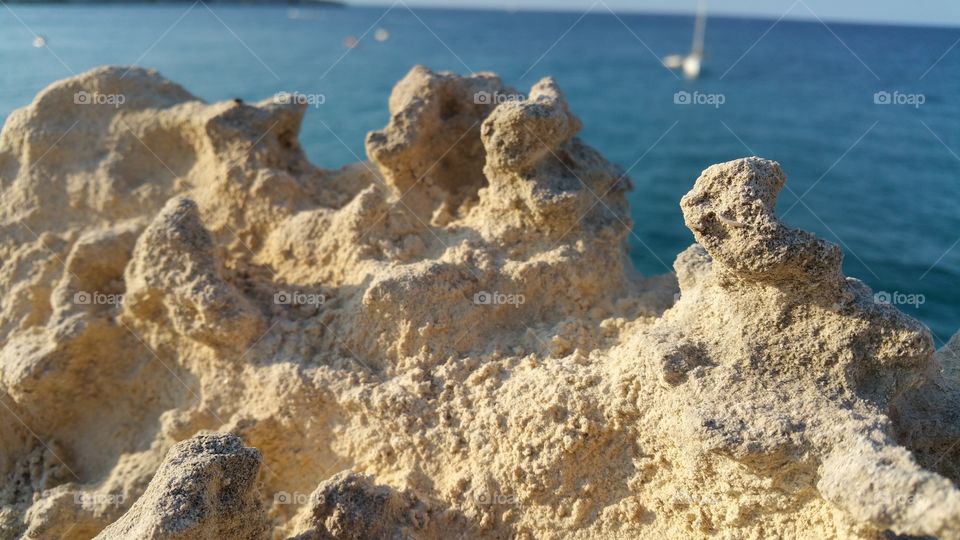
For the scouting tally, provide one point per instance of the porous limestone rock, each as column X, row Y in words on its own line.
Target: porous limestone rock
column 205, row 489
column 432, row 140
column 455, row 323
column 173, row 279
column 349, row 506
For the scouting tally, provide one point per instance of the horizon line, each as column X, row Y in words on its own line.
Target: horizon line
column 691, row 14
column 593, row 10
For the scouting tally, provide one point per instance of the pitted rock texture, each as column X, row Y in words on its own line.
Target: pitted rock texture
column 204, row 489
column 202, row 335
column 349, row 506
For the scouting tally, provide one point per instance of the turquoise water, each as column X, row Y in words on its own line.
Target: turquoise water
column 883, row 181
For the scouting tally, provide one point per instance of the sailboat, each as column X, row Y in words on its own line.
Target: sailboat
column 690, row 64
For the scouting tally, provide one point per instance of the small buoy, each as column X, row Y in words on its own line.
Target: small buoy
column 350, row 42
column 39, row 42
column 381, row 34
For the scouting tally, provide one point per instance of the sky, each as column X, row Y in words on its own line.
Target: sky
column 923, row 12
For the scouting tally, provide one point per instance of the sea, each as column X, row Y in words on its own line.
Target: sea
column 864, row 119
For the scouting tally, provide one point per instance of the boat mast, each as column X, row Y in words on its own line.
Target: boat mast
column 699, row 30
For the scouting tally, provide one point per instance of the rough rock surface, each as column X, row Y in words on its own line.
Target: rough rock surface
column 350, row 506
column 204, row 489
column 447, row 341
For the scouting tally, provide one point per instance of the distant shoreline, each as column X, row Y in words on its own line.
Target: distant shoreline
column 316, row 3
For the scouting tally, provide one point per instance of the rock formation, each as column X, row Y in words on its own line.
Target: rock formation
column 205, row 488
column 202, row 335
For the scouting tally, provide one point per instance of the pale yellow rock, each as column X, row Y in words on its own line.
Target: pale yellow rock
column 446, row 341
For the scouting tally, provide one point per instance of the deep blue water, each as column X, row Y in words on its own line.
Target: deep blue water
column 883, row 181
